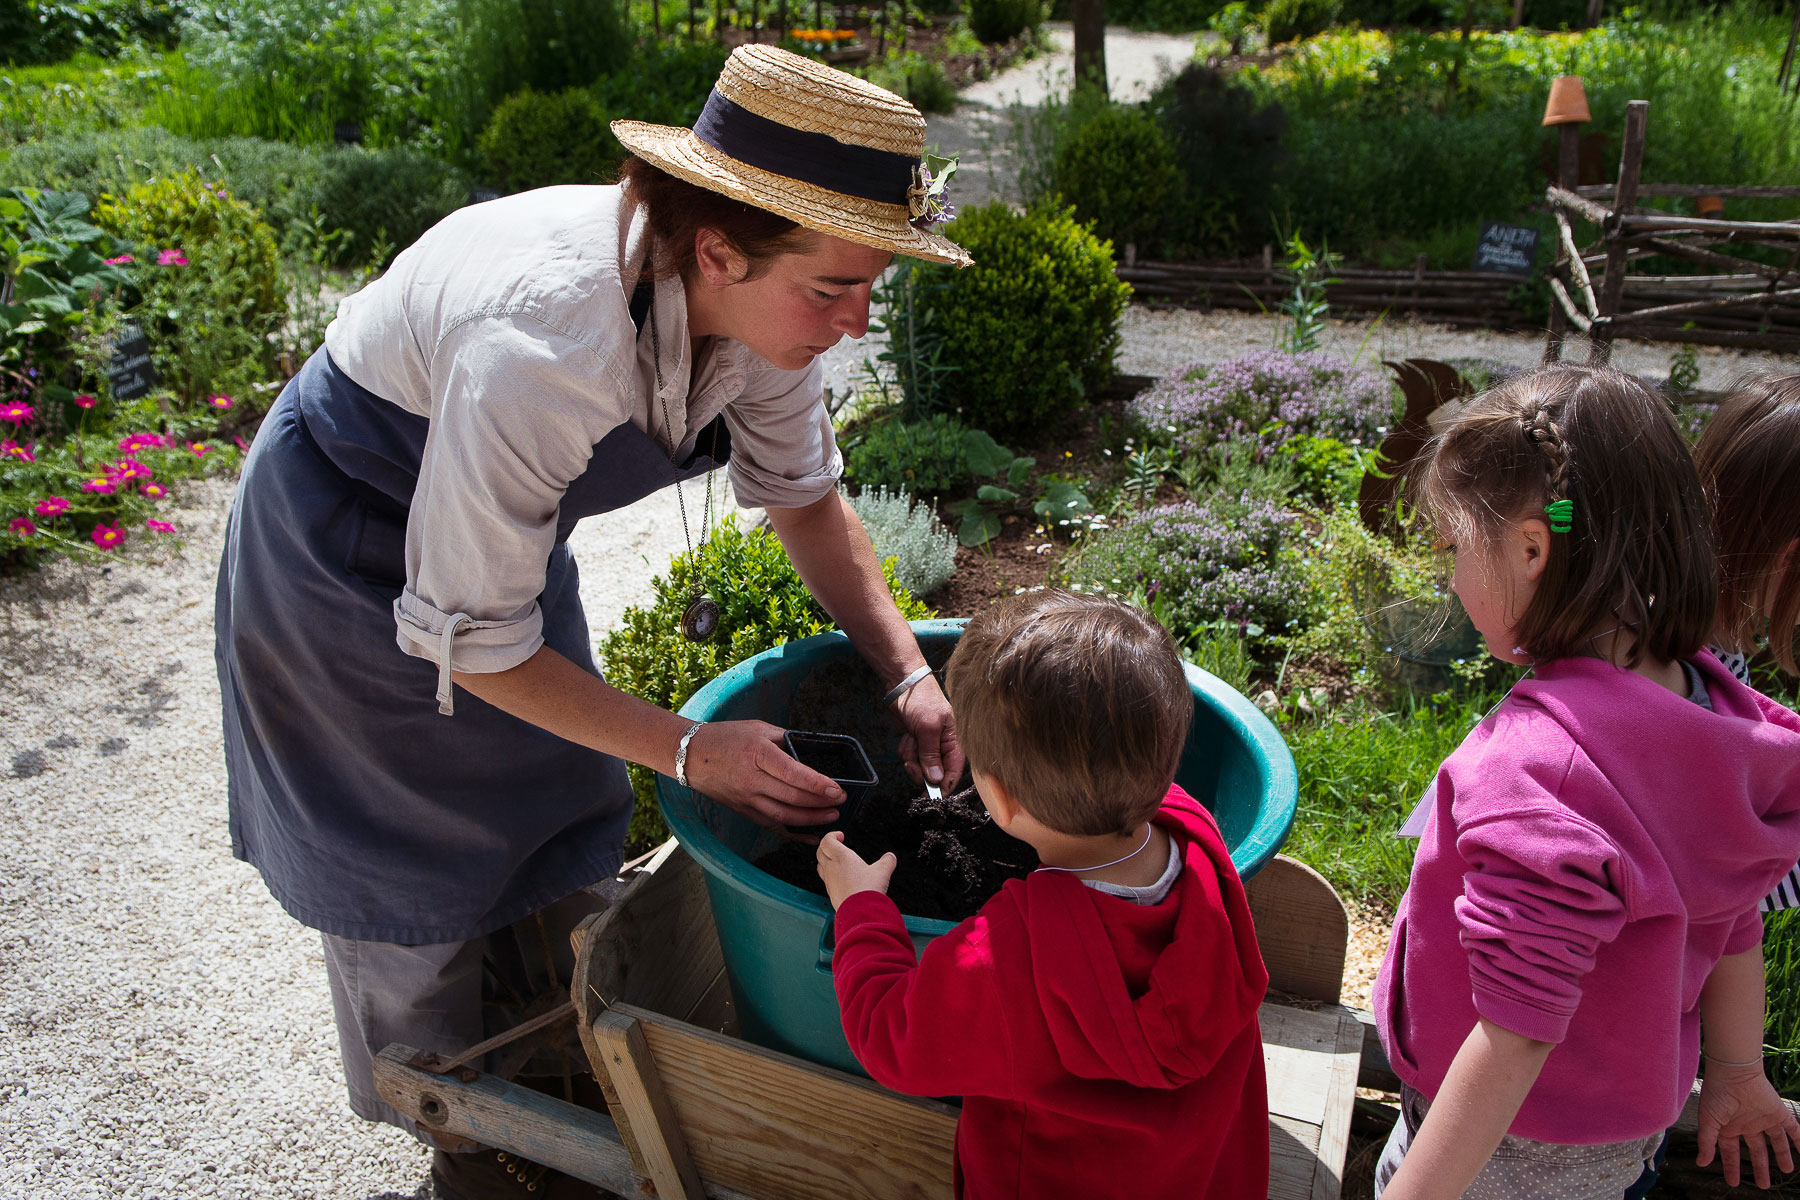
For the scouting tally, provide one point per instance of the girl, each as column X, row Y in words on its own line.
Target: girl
column 1749, row 461
column 1586, row 886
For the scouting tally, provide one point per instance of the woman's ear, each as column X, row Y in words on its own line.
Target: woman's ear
column 720, row 263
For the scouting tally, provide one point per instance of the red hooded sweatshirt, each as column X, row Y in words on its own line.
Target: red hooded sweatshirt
column 1101, row 1047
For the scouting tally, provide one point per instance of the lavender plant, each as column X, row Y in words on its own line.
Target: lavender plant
column 1263, row 399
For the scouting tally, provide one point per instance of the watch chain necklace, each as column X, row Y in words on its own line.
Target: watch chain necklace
column 700, row 619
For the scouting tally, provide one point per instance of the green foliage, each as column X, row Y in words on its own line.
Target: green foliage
column 914, row 357
column 535, row 140
column 1032, row 327
column 1684, row 369
column 762, row 603
column 1326, row 471
column 43, row 31
column 507, row 46
column 1307, row 272
column 209, row 319
column 53, row 273
column 1003, row 20
column 666, row 83
column 1118, row 172
column 923, row 458
column 82, row 93
column 921, row 80
column 1169, row 16
column 382, row 197
column 1294, row 20
column 1233, row 23
column 908, row 532
column 1227, row 145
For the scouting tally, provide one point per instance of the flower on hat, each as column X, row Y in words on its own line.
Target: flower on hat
column 51, row 506
column 925, row 202
column 109, row 537
column 23, row 526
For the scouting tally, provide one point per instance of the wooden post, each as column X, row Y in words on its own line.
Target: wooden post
column 1612, row 288
column 756, row 20
column 656, row 18
column 818, row 14
column 1089, row 19
column 1518, row 14
column 632, row 1069
column 1593, row 12
column 1786, row 73
column 693, row 21
column 780, row 20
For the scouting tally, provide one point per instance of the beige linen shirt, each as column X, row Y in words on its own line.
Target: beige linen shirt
column 508, row 326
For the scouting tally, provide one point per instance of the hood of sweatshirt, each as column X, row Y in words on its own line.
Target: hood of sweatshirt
column 1734, row 811
column 1152, row 995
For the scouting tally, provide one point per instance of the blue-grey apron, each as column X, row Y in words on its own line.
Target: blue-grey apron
column 370, row 815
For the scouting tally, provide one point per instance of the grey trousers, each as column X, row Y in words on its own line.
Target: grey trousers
column 1522, row 1169
column 446, row 997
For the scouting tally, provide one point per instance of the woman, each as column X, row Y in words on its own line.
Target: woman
column 421, row 750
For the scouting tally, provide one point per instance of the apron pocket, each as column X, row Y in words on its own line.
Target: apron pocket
column 379, row 555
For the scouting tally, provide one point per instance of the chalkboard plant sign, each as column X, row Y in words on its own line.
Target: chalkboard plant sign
column 1506, row 249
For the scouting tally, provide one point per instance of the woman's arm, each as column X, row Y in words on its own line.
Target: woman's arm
column 739, row 763
column 831, row 551
column 1488, row 1080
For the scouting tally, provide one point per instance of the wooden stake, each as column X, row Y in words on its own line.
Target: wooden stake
column 1631, row 163
column 632, row 1069
column 1568, row 169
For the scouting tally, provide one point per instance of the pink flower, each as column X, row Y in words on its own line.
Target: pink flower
column 109, row 537
column 128, row 469
column 199, row 449
column 23, row 526
column 134, row 442
column 103, row 487
column 156, row 526
column 172, row 258
column 241, row 444
column 51, row 506
column 11, row 449
column 119, row 262
column 86, row 401
column 16, row 411
column 155, row 491
column 219, row 401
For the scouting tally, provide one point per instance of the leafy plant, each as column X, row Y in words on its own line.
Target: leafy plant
column 914, row 356
column 1234, row 23
column 506, row 46
column 1118, row 173
column 211, row 308
column 313, row 286
column 1326, row 471
column 988, row 459
column 1032, row 327
column 53, row 271
column 1293, row 20
column 918, row 78
column 1228, row 149
column 537, row 139
column 922, row 458
column 1307, row 272
column 909, row 533
column 762, row 603
column 1684, row 369
column 1003, row 20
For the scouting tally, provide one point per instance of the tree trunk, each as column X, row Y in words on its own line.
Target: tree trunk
column 1593, row 13
column 1090, row 43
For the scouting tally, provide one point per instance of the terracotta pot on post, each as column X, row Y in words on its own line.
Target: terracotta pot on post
column 1710, row 207
column 1568, row 102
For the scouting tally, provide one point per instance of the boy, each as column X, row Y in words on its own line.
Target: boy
column 1099, row 1016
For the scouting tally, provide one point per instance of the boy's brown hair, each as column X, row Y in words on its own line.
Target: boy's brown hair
column 1638, row 552
column 1749, row 461
column 677, row 210
column 1077, row 703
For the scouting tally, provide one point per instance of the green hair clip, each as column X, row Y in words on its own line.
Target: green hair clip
column 1562, row 514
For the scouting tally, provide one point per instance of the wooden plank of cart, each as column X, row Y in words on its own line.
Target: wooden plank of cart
column 695, row 1111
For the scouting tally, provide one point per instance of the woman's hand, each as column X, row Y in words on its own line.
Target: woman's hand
column 845, row 873
column 742, row 765
column 929, row 747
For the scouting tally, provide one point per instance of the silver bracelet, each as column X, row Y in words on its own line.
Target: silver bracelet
column 900, row 689
column 681, row 751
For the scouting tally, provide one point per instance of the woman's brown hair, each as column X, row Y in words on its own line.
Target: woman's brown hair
column 1077, row 703
column 679, row 209
column 1638, row 551
column 1749, row 462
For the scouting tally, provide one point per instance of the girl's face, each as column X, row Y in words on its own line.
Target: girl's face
column 1495, row 583
column 795, row 310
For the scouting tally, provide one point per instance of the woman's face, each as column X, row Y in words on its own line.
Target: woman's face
column 796, row 309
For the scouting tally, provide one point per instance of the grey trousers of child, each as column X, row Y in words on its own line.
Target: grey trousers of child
column 431, row 997
column 1522, row 1169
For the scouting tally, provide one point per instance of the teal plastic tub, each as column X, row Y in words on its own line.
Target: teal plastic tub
column 777, row 939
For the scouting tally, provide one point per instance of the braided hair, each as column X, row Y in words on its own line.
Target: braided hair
column 1630, row 543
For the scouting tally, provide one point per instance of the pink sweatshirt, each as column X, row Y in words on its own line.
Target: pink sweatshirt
column 1595, row 847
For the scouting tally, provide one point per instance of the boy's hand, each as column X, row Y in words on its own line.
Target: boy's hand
column 1739, row 1102
column 845, row 873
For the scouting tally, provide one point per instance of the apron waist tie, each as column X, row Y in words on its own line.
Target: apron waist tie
column 445, row 697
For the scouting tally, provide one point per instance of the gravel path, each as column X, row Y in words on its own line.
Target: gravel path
column 164, row 1028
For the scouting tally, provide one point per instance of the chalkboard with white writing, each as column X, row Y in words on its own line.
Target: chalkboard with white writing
column 1506, row 249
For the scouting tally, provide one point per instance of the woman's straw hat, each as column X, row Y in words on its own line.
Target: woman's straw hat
column 810, row 143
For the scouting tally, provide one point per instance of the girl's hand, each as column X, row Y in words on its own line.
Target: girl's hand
column 845, row 873
column 1739, row 1102
column 929, row 748
column 742, row 765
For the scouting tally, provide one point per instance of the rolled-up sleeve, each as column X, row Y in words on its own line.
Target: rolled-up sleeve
column 516, row 408
column 783, row 451
column 1540, row 897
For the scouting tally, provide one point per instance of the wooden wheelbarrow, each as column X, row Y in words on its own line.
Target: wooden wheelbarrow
column 694, row 1111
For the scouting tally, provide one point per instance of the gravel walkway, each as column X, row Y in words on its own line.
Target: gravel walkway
column 164, row 1028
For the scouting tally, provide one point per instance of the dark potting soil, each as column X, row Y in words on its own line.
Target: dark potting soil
column 952, row 856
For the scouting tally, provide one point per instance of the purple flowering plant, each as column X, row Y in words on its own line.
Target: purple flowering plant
column 1264, row 399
